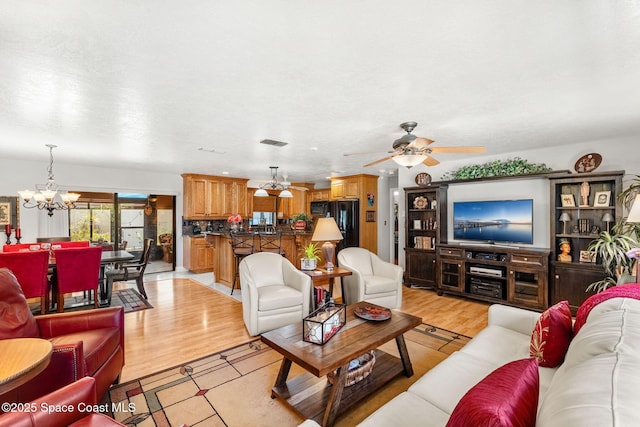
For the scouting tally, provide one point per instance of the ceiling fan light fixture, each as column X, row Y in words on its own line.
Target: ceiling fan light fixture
column 261, row 192
column 409, row 160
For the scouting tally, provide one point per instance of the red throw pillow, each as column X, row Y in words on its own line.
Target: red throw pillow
column 552, row 335
column 506, row 397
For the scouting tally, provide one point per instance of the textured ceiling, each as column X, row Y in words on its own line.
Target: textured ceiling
column 145, row 84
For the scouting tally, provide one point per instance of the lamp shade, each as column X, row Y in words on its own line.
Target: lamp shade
column 326, row 230
column 608, row 217
column 409, row 160
column 261, row 192
column 634, row 213
column 565, row 217
column 285, row 194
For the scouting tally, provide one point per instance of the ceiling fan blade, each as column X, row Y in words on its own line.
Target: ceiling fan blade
column 384, row 159
column 477, row 149
column 421, row 142
column 430, row 161
column 293, row 187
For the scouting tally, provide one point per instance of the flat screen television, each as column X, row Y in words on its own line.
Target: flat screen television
column 494, row 221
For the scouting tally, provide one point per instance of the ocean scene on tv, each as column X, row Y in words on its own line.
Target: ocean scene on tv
column 509, row 221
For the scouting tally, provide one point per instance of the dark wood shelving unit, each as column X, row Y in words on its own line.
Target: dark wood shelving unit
column 426, row 223
column 569, row 280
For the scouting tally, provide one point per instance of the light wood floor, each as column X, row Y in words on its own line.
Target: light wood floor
column 190, row 320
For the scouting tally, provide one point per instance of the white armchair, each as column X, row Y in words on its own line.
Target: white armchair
column 373, row 279
column 274, row 292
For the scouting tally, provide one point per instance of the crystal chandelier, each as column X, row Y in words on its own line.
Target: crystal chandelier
column 45, row 199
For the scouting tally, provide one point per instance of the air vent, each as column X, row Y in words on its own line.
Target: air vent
column 273, row 142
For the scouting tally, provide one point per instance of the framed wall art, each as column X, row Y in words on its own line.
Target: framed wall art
column 568, row 200
column 371, row 216
column 602, row 198
column 10, row 211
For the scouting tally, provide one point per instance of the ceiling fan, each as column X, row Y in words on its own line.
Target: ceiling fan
column 411, row 150
column 277, row 185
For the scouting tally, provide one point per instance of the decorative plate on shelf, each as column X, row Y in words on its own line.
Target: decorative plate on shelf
column 588, row 163
column 423, row 179
column 420, row 202
column 372, row 313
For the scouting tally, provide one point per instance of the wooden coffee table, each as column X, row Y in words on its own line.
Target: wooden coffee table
column 313, row 397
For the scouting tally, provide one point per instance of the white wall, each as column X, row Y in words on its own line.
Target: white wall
column 19, row 175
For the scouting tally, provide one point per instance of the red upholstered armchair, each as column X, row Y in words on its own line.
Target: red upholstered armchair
column 85, row 343
column 79, row 397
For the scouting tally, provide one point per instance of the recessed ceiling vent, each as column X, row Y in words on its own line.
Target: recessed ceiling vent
column 273, row 142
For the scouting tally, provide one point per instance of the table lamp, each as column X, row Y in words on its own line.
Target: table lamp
column 327, row 231
column 564, row 218
column 608, row 219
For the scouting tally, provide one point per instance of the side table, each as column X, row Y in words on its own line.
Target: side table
column 22, row 359
column 320, row 274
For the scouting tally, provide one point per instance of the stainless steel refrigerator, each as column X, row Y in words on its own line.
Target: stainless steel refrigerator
column 345, row 212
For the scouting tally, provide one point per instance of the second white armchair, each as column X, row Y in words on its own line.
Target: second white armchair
column 373, row 280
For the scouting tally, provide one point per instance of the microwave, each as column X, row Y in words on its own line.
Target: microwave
column 319, row 208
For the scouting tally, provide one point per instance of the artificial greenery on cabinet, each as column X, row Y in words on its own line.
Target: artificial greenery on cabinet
column 510, row 167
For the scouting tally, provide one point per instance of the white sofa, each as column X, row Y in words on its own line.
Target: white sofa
column 596, row 385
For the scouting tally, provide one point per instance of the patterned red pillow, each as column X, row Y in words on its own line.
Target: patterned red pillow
column 552, row 335
column 506, row 397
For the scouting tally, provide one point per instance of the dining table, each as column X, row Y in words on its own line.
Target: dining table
column 108, row 258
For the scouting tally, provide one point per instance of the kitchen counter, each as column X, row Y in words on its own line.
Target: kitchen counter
column 222, row 260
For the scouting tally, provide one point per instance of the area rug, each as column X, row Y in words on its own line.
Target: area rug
column 233, row 387
column 128, row 298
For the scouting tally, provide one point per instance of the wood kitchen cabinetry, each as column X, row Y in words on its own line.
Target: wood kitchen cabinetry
column 199, row 255
column 584, row 221
column 213, row 197
column 319, row 195
column 365, row 189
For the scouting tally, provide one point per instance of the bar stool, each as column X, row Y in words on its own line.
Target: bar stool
column 271, row 242
column 242, row 246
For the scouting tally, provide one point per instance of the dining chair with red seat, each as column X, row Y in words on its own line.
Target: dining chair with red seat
column 31, row 269
column 19, row 247
column 77, row 270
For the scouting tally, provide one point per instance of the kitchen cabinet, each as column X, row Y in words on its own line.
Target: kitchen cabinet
column 198, row 254
column 364, row 188
column 211, row 197
column 319, row 195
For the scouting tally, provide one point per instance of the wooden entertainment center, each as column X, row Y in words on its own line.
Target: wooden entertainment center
column 517, row 275
column 494, row 273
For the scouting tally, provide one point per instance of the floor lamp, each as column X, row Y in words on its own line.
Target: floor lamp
column 327, row 231
column 634, row 218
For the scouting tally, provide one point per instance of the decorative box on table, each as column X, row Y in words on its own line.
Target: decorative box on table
column 323, row 323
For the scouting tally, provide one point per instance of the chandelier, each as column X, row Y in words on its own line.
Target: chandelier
column 45, row 199
column 273, row 184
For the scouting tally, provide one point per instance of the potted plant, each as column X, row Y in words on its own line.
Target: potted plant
column 611, row 248
column 301, row 221
column 311, row 257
